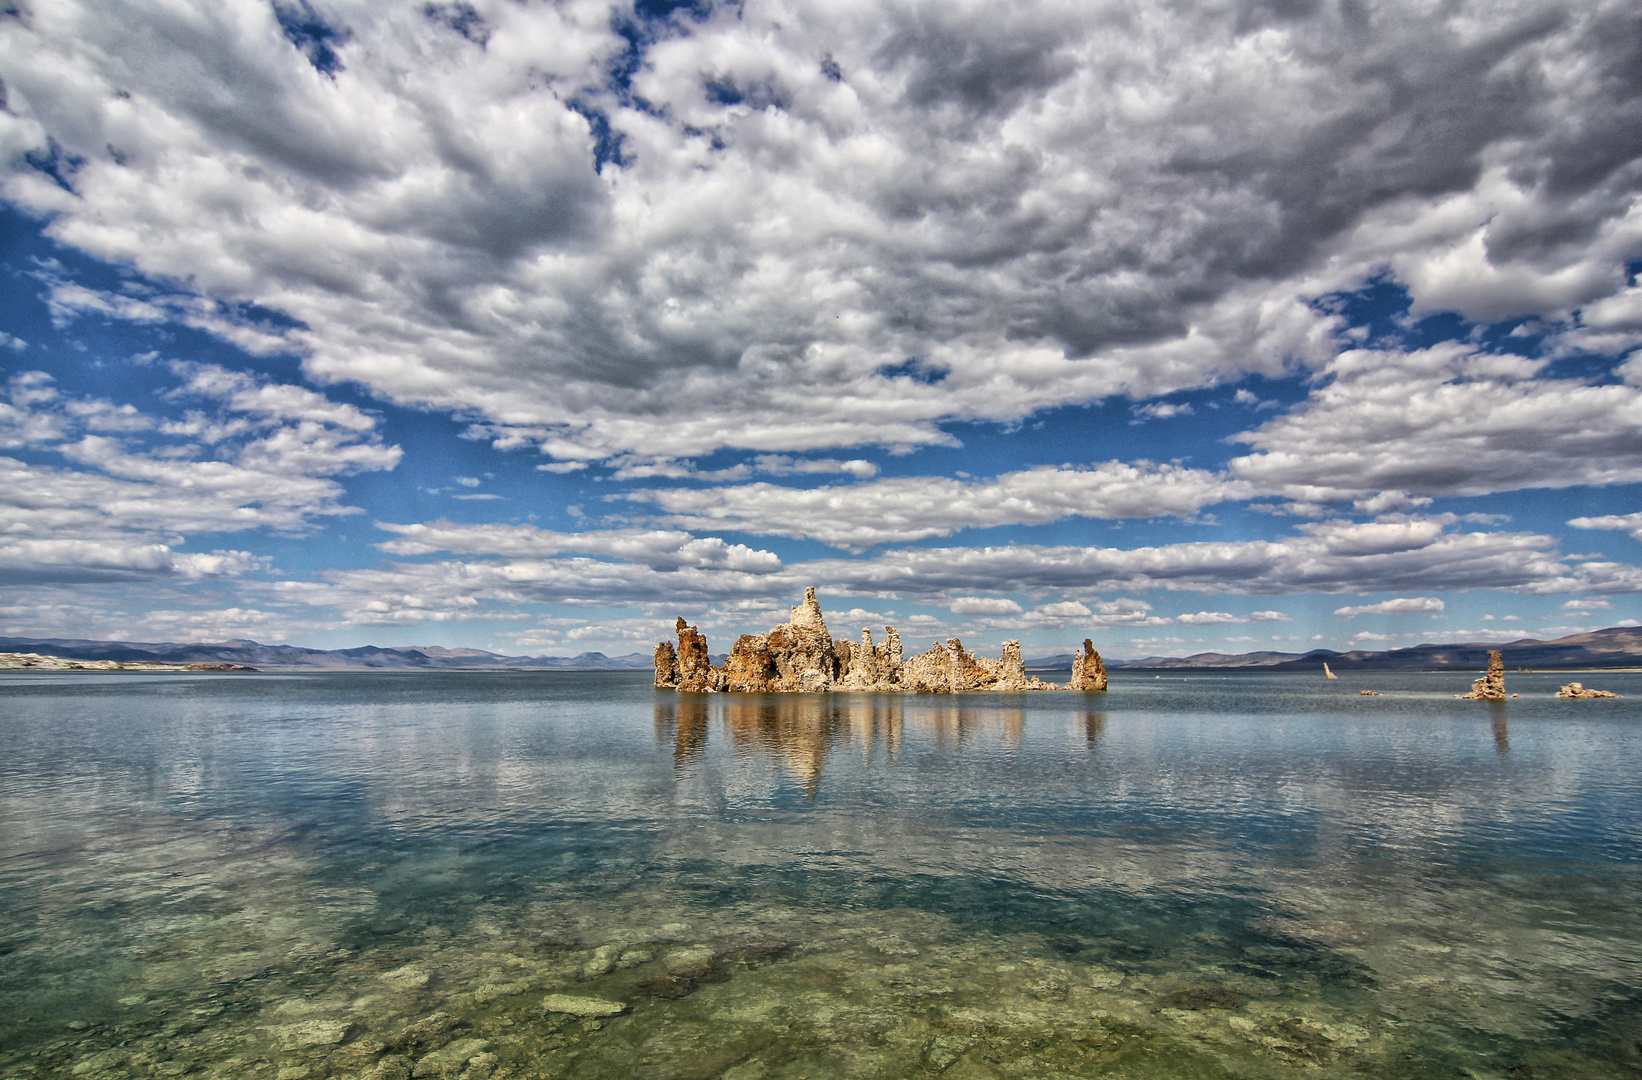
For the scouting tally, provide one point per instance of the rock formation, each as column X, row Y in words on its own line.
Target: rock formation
column 1577, row 690
column 695, row 670
column 801, row 656
column 666, row 666
column 1490, row 687
column 1088, row 673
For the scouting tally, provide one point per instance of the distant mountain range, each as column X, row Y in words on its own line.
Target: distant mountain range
column 1619, row 646
column 278, row 657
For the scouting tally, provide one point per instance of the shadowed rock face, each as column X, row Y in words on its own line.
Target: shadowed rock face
column 802, row 656
column 1088, row 673
column 1490, row 687
column 666, row 666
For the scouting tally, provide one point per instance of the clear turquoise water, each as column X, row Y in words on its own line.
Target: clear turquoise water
column 1201, row 876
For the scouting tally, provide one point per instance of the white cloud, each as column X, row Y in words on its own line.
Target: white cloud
column 1159, row 410
column 1587, row 603
column 1391, row 427
column 68, row 559
column 985, row 605
column 1626, row 523
column 275, row 452
column 656, row 548
column 1043, row 205
column 123, row 609
column 1402, row 605
column 684, row 573
column 1218, row 618
column 858, row 516
column 780, row 465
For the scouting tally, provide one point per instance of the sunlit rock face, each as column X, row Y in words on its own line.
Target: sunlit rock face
column 696, row 671
column 1579, row 690
column 801, row 656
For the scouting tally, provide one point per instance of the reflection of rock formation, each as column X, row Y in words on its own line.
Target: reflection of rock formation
column 799, row 732
column 1490, row 687
column 795, row 732
column 1502, row 733
column 801, row 655
column 691, row 739
column 685, row 726
column 1577, row 690
column 1094, row 725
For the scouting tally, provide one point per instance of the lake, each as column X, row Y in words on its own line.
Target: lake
column 1205, row 875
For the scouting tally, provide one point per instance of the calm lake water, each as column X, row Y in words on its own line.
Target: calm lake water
column 387, row 875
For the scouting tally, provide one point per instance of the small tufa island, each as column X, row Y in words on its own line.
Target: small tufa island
column 1491, row 687
column 802, row 657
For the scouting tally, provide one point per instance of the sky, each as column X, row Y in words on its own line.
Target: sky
column 529, row 326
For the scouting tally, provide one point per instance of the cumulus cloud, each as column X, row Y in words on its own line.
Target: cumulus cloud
column 1403, row 605
column 1625, row 523
column 1388, row 427
column 1222, row 618
column 859, row 516
column 1323, row 557
column 654, row 548
column 259, row 455
column 123, row 608
column 985, row 605
column 789, row 225
column 77, row 560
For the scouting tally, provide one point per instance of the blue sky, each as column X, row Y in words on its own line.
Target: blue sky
column 530, row 326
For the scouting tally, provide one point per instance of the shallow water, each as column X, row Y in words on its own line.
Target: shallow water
column 386, row 875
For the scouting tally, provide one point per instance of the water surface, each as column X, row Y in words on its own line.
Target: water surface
column 386, row 875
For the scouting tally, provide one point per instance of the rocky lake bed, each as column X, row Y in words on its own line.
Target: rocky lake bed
column 311, row 878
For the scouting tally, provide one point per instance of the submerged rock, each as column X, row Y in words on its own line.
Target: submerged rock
column 667, row 987
column 1490, row 687
column 802, row 656
column 449, row 1060
column 1202, row 997
column 427, row 1031
column 309, row 1033
column 582, row 1006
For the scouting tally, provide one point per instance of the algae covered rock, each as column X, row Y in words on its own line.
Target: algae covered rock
column 582, row 1006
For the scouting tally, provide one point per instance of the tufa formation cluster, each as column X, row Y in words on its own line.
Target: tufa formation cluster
column 1577, row 690
column 801, row 656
